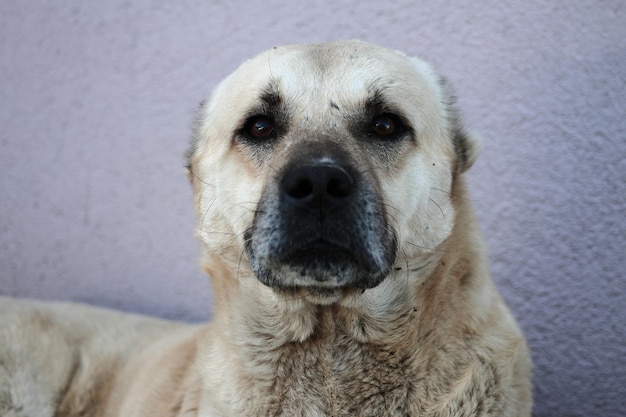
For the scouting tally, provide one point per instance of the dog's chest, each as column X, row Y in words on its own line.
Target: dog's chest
column 345, row 380
column 366, row 381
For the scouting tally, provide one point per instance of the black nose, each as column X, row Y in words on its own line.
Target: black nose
column 317, row 186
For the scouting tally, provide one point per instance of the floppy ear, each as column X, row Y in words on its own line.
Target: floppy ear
column 467, row 146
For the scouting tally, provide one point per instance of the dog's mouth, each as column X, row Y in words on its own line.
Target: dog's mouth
column 319, row 268
column 321, row 272
column 319, row 258
column 321, row 264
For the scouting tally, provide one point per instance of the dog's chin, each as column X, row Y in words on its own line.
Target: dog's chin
column 314, row 295
column 319, row 272
column 325, row 281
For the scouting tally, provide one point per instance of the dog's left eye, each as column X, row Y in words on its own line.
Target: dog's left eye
column 385, row 125
column 259, row 127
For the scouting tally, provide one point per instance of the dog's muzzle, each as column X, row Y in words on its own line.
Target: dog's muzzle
column 320, row 225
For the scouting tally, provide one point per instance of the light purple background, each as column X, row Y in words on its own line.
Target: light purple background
column 97, row 99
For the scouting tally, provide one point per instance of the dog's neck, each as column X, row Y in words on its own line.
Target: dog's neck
column 365, row 352
column 295, row 358
column 313, row 361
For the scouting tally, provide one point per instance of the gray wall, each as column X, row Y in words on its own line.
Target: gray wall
column 97, row 98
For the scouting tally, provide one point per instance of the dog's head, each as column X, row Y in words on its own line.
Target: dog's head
column 323, row 169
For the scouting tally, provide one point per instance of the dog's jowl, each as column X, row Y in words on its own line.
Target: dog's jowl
column 349, row 275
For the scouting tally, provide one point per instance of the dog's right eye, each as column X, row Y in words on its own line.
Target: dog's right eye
column 386, row 125
column 259, row 127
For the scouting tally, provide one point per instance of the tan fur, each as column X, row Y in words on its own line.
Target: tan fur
column 434, row 338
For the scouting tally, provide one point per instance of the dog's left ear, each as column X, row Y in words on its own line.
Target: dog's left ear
column 467, row 146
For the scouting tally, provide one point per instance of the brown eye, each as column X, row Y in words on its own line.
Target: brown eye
column 385, row 125
column 260, row 127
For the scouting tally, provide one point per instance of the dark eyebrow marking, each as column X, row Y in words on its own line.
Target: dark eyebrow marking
column 270, row 94
column 376, row 101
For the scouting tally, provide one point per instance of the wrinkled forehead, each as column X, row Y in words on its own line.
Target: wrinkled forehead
column 344, row 74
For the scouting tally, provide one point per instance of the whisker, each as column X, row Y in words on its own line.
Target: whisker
column 219, row 233
column 270, row 166
column 241, row 255
column 206, row 212
column 451, row 195
column 440, row 209
column 269, row 63
column 200, row 179
column 429, row 249
column 406, row 261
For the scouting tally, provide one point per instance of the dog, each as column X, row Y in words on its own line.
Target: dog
column 349, row 274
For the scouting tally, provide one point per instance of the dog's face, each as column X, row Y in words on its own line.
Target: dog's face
column 324, row 170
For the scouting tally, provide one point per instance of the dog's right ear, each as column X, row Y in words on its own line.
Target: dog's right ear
column 467, row 147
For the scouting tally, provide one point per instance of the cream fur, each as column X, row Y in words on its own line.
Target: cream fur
column 434, row 338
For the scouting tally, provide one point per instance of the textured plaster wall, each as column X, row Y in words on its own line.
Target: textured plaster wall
column 96, row 100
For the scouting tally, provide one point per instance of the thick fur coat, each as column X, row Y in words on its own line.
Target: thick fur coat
column 349, row 274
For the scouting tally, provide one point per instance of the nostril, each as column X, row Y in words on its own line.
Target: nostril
column 339, row 186
column 299, row 188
